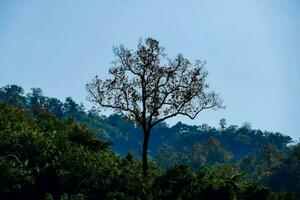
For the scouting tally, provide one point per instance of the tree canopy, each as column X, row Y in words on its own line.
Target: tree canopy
column 44, row 157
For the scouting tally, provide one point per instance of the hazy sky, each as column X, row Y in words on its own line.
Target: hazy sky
column 252, row 48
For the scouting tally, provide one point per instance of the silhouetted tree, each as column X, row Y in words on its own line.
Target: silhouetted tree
column 150, row 88
column 223, row 123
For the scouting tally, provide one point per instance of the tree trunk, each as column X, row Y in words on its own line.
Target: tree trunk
column 145, row 152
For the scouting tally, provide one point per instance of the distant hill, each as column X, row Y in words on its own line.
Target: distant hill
column 126, row 136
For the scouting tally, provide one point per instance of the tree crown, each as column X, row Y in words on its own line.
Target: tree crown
column 150, row 87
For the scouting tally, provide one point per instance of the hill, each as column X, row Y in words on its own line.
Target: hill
column 265, row 156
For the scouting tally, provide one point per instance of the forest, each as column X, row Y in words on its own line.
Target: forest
column 53, row 149
column 149, row 100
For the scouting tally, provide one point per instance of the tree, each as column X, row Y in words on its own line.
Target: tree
column 264, row 163
column 223, row 124
column 73, row 110
column 36, row 100
column 55, row 106
column 13, row 94
column 287, row 175
column 150, row 88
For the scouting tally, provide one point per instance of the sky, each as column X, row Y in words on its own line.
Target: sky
column 252, row 49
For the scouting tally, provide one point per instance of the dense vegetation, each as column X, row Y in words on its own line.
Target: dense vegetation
column 46, row 155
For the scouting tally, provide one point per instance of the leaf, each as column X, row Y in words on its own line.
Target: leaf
column 26, row 162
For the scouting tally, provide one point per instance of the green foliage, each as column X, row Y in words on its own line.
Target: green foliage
column 219, row 182
column 13, row 95
column 263, row 164
column 206, row 153
column 287, row 176
column 44, row 157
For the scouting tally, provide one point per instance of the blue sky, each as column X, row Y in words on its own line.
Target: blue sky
column 252, row 48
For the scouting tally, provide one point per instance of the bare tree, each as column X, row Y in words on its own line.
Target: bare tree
column 149, row 88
